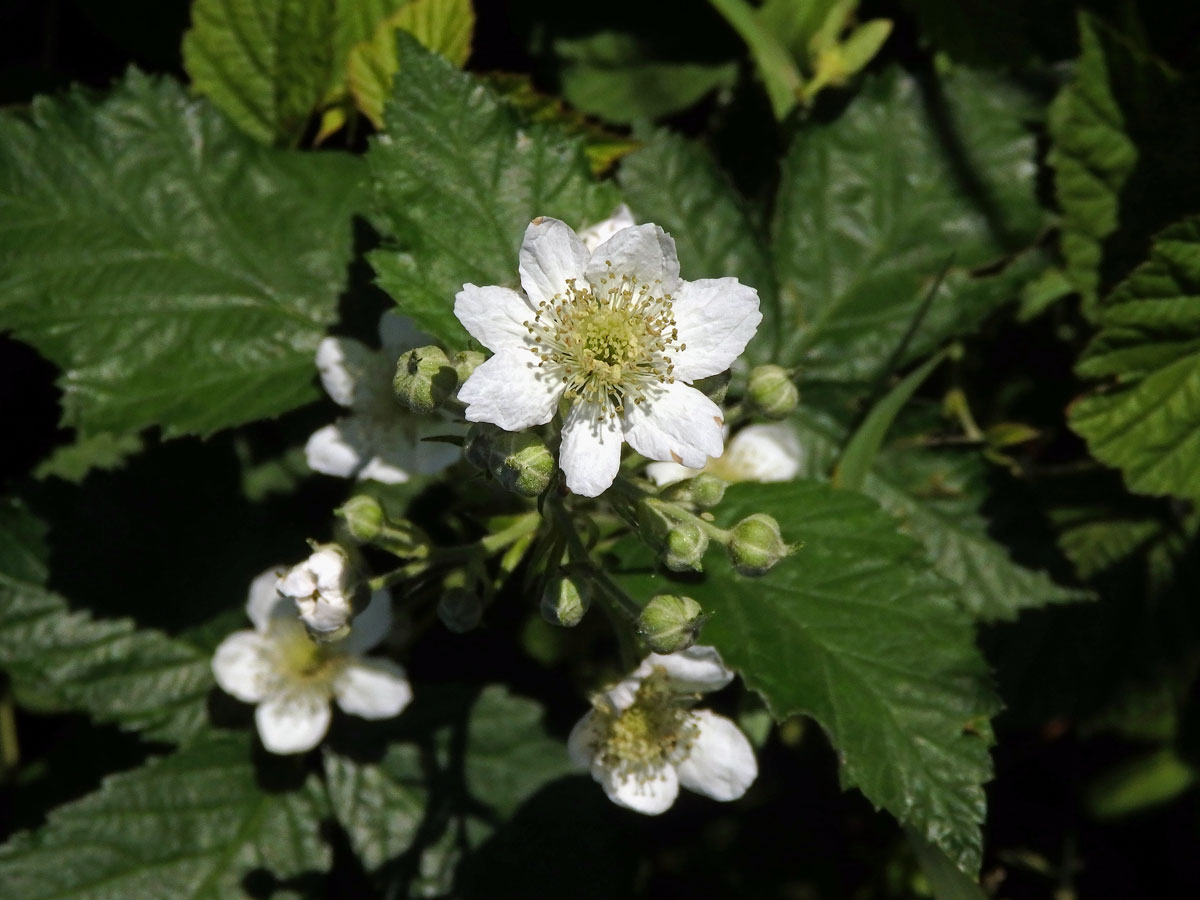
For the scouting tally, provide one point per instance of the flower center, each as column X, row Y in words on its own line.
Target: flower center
column 655, row 729
column 609, row 344
column 301, row 658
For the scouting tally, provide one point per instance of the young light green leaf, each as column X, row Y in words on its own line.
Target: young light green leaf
column 854, row 630
column 775, row 65
column 864, row 226
column 100, row 451
column 456, row 183
column 191, row 825
column 675, row 184
column 179, row 274
column 1147, row 423
column 380, row 805
column 264, row 63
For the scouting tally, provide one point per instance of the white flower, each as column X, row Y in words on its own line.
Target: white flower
column 379, row 440
column 642, row 742
column 756, row 453
column 616, row 334
column 321, row 589
column 595, row 235
column 291, row 678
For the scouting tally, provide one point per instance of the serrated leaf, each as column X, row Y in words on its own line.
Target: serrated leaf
column 264, row 63
column 456, row 183
column 675, row 184
column 100, row 451
column 59, row 659
column 380, row 805
column 854, row 630
column 509, row 756
column 1148, row 423
column 180, row 274
column 443, row 26
column 190, row 825
column 863, row 226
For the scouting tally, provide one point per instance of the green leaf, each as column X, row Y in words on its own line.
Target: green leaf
column 863, row 226
column 380, row 805
column 774, row 63
column 946, row 880
column 674, row 183
column 509, row 755
column 1145, row 781
column 264, row 63
column 179, row 274
column 854, row 630
column 456, row 183
column 58, row 659
column 190, row 825
column 443, row 26
column 1147, row 423
column 100, row 451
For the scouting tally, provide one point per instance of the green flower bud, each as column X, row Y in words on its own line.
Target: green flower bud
column 685, row 546
column 465, row 362
column 460, row 610
column 756, row 544
column 704, row 491
column 526, row 465
column 772, row 392
column 669, row 624
column 424, row 379
column 363, row 517
column 565, row 601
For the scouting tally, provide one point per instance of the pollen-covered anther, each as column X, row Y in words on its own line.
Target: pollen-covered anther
column 654, row 729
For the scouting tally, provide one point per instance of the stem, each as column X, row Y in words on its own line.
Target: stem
column 10, row 747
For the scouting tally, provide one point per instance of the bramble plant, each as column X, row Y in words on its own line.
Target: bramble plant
column 804, row 414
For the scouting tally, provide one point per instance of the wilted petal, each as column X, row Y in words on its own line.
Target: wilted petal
column 372, row 688
column 334, row 451
column 590, row 454
column 720, row 763
column 294, row 721
column 510, row 390
column 675, row 423
column 648, row 792
column 243, row 666
column 584, row 740
column 551, row 253
column 494, row 316
column 716, row 317
column 645, row 253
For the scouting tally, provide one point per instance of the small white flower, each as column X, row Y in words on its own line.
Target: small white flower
column 321, row 589
column 292, row 679
column 379, row 440
column 642, row 742
column 619, row 336
column 756, row 453
column 595, row 235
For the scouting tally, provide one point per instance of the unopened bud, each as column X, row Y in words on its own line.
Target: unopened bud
column 466, row 362
column 705, row 490
column 565, row 601
column 685, row 546
column 772, row 392
column 363, row 517
column 460, row 610
column 669, row 624
column 526, row 466
column 424, row 379
column 756, row 544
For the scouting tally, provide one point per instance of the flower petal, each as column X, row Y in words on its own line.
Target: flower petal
column 372, row 688
column 511, row 391
column 333, row 450
column 343, row 364
column 243, row 666
column 716, row 317
column 371, row 625
column 622, row 694
column 590, row 454
column 761, row 453
column 664, row 473
column 697, row 669
column 264, row 600
column 584, row 740
column 293, row 721
column 720, row 763
column 649, row 793
column 645, row 253
column 551, row 253
column 399, row 334
column 330, row 568
column 595, row 235
column 379, row 469
column 494, row 316
column 675, row 422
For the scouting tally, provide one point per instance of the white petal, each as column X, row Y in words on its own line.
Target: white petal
column 675, row 422
column 510, row 390
column 399, row 334
column 372, row 688
column 721, row 762
column 324, row 613
column 762, row 453
column 646, row 253
column 330, row 567
column 649, row 793
column 664, row 473
column 621, row 695
column 371, row 625
column 379, row 469
column 243, row 666
column 401, row 450
column 332, row 451
column 264, row 599
column 716, row 318
column 494, row 316
column 584, row 740
column 342, row 364
column 590, row 454
column 297, row 582
column 697, row 669
column 595, row 235
column 551, row 253
column 293, row 721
